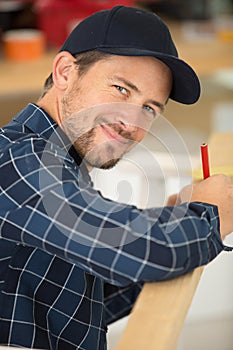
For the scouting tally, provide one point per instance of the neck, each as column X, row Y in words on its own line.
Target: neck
column 49, row 103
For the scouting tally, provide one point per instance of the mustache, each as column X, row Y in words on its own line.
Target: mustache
column 119, row 130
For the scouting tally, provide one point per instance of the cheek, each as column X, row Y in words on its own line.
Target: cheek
column 141, row 133
column 137, row 137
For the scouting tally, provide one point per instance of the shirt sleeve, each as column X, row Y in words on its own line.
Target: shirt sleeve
column 46, row 202
column 119, row 301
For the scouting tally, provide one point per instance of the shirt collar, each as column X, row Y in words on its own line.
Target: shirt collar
column 39, row 122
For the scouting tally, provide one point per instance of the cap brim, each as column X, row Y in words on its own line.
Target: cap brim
column 186, row 86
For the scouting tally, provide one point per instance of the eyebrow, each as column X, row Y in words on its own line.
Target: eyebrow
column 136, row 89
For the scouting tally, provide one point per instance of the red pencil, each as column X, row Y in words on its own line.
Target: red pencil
column 205, row 160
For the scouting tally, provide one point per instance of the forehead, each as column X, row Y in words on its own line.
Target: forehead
column 127, row 62
column 143, row 69
column 147, row 73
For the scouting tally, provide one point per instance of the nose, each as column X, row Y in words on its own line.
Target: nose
column 127, row 116
column 134, row 117
column 127, row 126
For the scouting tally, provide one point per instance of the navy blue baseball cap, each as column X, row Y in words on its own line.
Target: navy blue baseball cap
column 130, row 31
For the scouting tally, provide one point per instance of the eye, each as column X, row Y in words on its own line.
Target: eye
column 121, row 89
column 150, row 110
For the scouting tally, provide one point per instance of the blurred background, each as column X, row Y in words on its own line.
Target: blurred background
column 31, row 32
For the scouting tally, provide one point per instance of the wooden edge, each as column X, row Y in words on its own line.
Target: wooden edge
column 159, row 313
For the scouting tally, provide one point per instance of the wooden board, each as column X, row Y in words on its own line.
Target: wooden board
column 157, row 318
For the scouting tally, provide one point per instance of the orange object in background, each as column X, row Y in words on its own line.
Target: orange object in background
column 23, row 44
column 224, row 28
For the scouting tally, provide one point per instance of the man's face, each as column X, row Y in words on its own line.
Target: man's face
column 110, row 108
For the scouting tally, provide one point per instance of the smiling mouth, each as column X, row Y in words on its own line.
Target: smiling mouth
column 114, row 135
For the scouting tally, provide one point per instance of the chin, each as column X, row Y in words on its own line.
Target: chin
column 103, row 165
column 109, row 165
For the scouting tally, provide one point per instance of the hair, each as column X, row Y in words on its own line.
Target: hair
column 83, row 61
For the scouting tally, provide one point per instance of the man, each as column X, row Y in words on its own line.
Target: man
column 72, row 261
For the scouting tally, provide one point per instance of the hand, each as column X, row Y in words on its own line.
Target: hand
column 217, row 190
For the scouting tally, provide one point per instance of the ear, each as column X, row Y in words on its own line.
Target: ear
column 63, row 65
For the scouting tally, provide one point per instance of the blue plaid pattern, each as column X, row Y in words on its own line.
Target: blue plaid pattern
column 72, row 261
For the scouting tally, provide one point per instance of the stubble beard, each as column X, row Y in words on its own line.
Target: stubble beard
column 101, row 156
column 104, row 155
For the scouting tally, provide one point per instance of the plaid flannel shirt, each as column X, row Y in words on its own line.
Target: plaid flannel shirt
column 71, row 261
